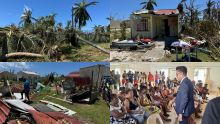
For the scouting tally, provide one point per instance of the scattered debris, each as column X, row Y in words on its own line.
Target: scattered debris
column 148, row 55
column 58, row 108
column 4, row 111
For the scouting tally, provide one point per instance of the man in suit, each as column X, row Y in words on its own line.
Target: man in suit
column 184, row 103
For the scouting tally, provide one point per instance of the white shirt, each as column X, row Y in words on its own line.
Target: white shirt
column 182, row 80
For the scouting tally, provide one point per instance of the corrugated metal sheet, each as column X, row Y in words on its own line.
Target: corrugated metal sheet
column 19, row 104
column 42, row 118
column 53, row 118
column 4, row 111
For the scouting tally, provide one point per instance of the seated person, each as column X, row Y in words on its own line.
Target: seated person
column 159, row 102
column 205, row 92
column 118, row 114
column 135, row 91
column 167, row 93
column 146, row 101
column 134, row 109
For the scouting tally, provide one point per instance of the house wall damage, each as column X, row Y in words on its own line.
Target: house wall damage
column 151, row 24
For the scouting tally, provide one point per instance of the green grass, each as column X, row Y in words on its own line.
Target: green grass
column 89, row 53
column 97, row 113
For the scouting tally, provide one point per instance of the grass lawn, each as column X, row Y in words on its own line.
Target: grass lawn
column 89, row 53
column 97, row 113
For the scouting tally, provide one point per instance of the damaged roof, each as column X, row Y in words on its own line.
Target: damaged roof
column 4, row 111
column 158, row 12
column 29, row 72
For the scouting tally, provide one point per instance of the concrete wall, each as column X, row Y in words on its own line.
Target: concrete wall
column 155, row 26
column 141, row 33
column 212, row 76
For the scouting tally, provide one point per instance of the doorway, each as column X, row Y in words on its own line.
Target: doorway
column 167, row 28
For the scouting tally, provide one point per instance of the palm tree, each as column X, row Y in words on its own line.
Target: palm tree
column 81, row 14
column 180, row 6
column 207, row 11
column 149, row 4
column 26, row 17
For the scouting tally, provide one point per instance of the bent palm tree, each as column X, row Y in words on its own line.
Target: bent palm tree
column 26, row 17
column 149, row 4
column 81, row 14
column 180, row 6
column 208, row 10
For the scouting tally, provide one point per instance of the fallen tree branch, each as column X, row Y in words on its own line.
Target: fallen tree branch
column 94, row 45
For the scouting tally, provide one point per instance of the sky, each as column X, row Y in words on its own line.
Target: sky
column 11, row 11
column 45, row 68
column 121, row 9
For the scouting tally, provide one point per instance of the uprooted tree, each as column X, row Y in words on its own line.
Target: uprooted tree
column 42, row 37
column 202, row 24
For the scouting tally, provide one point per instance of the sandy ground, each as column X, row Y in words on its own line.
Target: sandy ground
column 147, row 55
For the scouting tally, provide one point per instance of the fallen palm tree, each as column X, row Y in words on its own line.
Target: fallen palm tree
column 20, row 54
column 94, row 45
column 23, row 54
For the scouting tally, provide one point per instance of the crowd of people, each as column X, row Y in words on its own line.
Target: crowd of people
column 137, row 95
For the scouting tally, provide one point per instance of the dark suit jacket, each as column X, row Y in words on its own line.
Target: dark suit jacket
column 184, row 99
column 212, row 112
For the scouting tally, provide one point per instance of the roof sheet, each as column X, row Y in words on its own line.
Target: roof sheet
column 4, row 111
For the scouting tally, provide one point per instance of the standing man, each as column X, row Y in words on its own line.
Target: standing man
column 26, row 89
column 184, row 103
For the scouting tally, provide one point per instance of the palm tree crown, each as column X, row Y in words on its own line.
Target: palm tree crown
column 149, row 4
column 80, row 13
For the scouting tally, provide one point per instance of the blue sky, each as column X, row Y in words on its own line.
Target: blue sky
column 45, row 68
column 121, row 9
column 11, row 10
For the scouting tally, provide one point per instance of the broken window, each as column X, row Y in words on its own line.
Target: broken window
column 142, row 25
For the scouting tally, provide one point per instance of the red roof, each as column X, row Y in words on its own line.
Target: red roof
column 166, row 12
column 42, row 118
column 73, row 74
column 4, row 111
column 52, row 118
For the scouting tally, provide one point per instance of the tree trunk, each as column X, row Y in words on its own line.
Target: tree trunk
column 4, row 48
column 94, row 45
column 20, row 54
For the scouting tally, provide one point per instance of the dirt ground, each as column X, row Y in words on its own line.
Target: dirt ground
column 145, row 55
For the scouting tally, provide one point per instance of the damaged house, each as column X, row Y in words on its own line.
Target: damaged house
column 156, row 23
